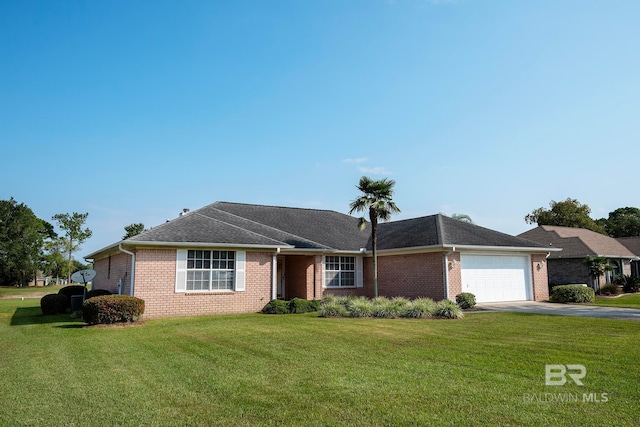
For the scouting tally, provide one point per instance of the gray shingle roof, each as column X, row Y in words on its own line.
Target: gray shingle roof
column 631, row 243
column 577, row 242
column 313, row 229
column 440, row 230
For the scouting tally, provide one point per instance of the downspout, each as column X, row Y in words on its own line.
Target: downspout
column 446, row 271
column 133, row 265
column 274, row 275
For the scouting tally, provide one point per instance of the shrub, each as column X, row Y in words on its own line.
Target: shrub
column 629, row 284
column 276, row 306
column 448, row 309
column 609, row 289
column 390, row 308
column 53, row 304
column 420, row 308
column 112, row 309
column 360, row 307
column 333, row 308
column 466, row 300
column 69, row 291
column 97, row 293
column 572, row 293
column 299, row 305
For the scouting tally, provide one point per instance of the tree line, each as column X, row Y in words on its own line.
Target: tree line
column 622, row 222
column 29, row 244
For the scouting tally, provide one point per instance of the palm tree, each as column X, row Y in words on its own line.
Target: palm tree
column 597, row 266
column 377, row 199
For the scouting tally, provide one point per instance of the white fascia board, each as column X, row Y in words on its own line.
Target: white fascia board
column 136, row 244
column 112, row 248
column 293, row 251
column 458, row 248
column 505, row 249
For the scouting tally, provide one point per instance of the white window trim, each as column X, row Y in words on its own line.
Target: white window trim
column 358, row 273
column 181, row 273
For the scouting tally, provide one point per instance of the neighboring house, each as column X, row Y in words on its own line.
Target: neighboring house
column 633, row 244
column 234, row 258
column 567, row 266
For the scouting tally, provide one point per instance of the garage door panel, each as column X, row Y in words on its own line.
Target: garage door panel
column 494, row 278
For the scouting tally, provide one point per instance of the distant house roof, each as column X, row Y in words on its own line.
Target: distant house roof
column 577, row 242
column 238, row 224
column 631, row 243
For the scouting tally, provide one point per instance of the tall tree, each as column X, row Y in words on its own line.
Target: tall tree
column 22, row 237
column 568, row 213
column 133, row 230
column 75, row 235
column 623, row 222
column 462, row 217
column 377, row 199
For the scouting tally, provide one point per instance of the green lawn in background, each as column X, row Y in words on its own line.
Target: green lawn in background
column 254, row 369
column 28, row 292
column 627, row 301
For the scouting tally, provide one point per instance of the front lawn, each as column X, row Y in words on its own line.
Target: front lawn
column 255, row 369
column 627, row 301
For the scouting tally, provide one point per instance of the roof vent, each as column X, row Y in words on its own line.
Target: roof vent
column 184, row 211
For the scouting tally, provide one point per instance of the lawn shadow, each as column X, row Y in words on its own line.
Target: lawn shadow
column 33, row 316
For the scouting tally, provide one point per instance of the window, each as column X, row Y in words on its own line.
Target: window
column 210, row 270
column 340, row 271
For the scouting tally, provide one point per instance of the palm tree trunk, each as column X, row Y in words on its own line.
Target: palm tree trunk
column 374, row 243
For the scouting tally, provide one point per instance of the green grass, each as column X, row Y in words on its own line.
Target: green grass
column 27, row 292
column 628, row 301
column 260, row 369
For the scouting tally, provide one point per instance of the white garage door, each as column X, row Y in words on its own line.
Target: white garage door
column 493, row 278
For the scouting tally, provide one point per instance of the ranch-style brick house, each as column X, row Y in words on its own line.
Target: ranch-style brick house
column 234, row 258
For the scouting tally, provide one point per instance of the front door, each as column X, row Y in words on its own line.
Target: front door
column 280, row 278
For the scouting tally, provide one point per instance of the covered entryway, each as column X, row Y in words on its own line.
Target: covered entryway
column 494, row 278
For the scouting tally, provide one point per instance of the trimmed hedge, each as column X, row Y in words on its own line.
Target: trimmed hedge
column 299, row 305
column 53, row 304
column 466, row 300
column 97, row 293
column 295, row 306
column 572, row 293
column 112, row 309
column 276, row 306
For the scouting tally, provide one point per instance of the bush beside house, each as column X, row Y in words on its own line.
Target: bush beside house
column 572, row 293
column 112, row 309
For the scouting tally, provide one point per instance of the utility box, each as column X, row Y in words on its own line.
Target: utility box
column 76, row 302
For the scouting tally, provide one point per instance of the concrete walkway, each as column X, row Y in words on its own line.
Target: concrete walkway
column 562, row 309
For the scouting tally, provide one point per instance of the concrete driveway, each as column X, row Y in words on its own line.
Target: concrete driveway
column 562, row 309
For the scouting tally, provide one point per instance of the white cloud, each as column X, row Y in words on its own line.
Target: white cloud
column 357, row 160
column 378, row 170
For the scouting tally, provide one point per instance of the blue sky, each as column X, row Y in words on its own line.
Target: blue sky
column 133, row 110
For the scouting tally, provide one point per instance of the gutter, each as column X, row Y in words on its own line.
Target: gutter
column 133, row 265
column 446, row 271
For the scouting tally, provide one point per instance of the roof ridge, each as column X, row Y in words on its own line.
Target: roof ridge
column 439, row 229
column 239, row 228
column 263, row 225
column 277, row 207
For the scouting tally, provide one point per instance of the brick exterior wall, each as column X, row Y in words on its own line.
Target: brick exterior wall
column 412, row 276
column 455, row 275
column 539, row 276
column 573, row 271
column 110, row 270
column 299, row 276
column 155, row 278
